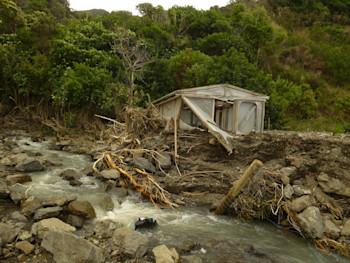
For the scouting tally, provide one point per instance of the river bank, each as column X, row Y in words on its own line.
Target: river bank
column 312, row 168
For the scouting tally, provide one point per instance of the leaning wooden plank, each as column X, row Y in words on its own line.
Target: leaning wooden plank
column 252, row 170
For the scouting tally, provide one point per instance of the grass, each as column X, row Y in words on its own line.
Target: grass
column 319, row 125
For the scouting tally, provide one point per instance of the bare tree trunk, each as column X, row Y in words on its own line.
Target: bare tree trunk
column 131, row 88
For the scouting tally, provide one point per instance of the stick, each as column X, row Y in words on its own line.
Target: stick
column 252, row 170
column 109, row 119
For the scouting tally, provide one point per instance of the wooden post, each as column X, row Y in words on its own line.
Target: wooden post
column 252, row 170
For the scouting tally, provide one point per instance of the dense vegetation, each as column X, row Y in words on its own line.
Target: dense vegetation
column 56, row 61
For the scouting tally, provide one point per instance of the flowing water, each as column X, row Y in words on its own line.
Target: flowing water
column 214, row 238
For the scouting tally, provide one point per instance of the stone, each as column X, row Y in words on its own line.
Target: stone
column 25, row 235
column 133, row 244
column 6, row 161
column 311, row 222
column 18, row 158
column 70, row 175
column 69, row 248
column 286, row 173
column 191, row 259
column 29, row 206
column 64, row 143
column 323, row 177
column 107, row 203
column 300, row 190
column 299, row 204
column 30, row 164
column 47, row 212
column 18, row 179
column 334, row 186
column 105, row 228
column 346, row 229
column 110, row 174
column 42, row 227
column 75, row 221
column 56, row 200
column 81, row 208
column 17, row 193
column 331, row 230
column 163, row 161
column 17, row 216
column 142, row 163
column 88, row 171
column 25, row 246
column 4, row 190
column 163, row 254
column 75, row 182
column 288, row 191
column 9, row 231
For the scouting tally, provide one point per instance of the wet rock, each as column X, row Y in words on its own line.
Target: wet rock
column 163, row 161
column 300, row 190
column 42, row 227
column 311, row 222
column 145, row 223
column 75, row 221
column 75, row 183
column 17, row 216
column 131, row 243
column 346, row 228
column 110, row 174
column 19, row 158
column 163, row 254
column 88, row 171
column 142, row 163
column 107, row 203
column 47, row 212
column 4, row 190
column 299, row 204
column 29, row 206
column 63, row 143
column 81, row 208
column 191, row 259
column 331, row 230
column 18, row 178
column 57, row 200
column 25, row 247
column 30, row 164
column 9, row 231
column 17, row 193
column 70, row 175
column 180, row 202
column 68, row 248
column 105, row 228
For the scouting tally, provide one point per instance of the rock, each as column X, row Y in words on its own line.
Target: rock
column 88, row 171
column 133, row 244
column 346, row 228
column 63, row 143
column 299, row 204
column 70, row 175
column 163, row 254
column 286, row 173
column 75, row 183
column 25, row 246
column 75, row 221
column 107, row 203
column 110, row 174
column 81, row 208
column 17, row 193
column 145, row 223
column 6, row 161
column 311, row 222
column 105, row 228
column 68, row 248
column 9, row 231
column 163, row 161
column 323, row 177
column 333, row 185
column 288, row 191
column 331, row 230
column 30, row 164
column 17, row 216
column 180, row 202
column 18, row 178
column 300, row 190
column 47, row 212
column 191, row 259
column 56, row 200
column 42, row 227
column 29, row 206
column 25, row 235
column 4, row 190
column 18, row 158
column 142, row 163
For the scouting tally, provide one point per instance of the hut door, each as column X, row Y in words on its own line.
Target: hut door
column 247, row 117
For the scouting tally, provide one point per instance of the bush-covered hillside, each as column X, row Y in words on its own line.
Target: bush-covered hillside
column 57, row 62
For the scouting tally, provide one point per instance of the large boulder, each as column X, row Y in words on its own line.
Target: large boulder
column 9, row 231
column 4, row 190
column 70, row 175
column 29, row 206
column 311, row 222
column 142, row 163
column 74, row 220
column 58, row 200
column 47, row 212
column 163, row 254
column 130, row 243
column 333, row 185
column 110, row 174
column 299, row 204
column 81, row 208
column 30, row 164
column 69, row 248
column 42, row 227
column 18, row 179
